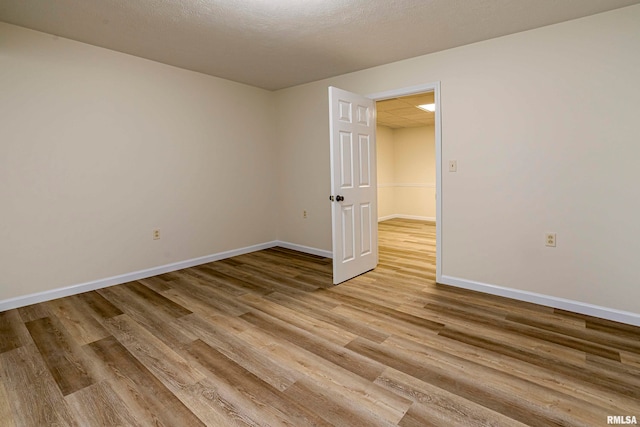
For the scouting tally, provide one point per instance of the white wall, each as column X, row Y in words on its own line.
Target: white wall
column 544, row 126
column 99, row 148
column 406, row 172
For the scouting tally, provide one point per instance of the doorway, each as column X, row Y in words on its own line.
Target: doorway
column 411, row 95
column 406, row 164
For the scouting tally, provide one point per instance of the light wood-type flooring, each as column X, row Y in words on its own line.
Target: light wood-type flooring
column 265, row 339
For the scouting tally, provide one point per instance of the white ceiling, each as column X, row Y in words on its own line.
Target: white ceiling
column 275, row 44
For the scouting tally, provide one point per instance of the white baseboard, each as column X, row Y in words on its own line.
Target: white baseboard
column 22, row 301
column 305, row 249
column 401, row 216
column 550, row 301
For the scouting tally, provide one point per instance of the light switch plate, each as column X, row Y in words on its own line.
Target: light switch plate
column 453, row 165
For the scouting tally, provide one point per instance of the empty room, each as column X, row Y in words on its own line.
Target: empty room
column 210, row 216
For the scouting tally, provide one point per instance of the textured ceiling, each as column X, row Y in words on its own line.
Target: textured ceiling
column 280, row 43
column 403, row 112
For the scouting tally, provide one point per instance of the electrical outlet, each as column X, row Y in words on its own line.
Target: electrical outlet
column 550, row 239
column 453, row 166
column 304, row 214
column 156, row 234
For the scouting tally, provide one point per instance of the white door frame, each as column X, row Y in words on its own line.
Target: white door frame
column 413, row 90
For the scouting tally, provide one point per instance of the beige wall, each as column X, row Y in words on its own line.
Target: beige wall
column 385, row 163
column 99, row 148
column 543, row 125
column 406, row 172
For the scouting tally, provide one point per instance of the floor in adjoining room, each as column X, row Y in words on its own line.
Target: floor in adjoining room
column 265, row 339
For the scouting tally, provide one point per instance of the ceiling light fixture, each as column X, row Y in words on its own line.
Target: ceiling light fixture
column 428, row 107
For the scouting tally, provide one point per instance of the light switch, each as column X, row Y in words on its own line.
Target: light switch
column 453, row 165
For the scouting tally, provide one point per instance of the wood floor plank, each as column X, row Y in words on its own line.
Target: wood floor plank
column 335, row 379
column 61, row 355
column 548, row 336
column 377, row 307
column 387, row 325
column 168, row 366
column 607, row 381
column 156, row 284
column 326, row 349
column 156, row 321
column 211, row 405
column 162, row 406
column 630, row 359
column 234, row 282
column 332, row 407
column 202, row 274
column 583, row 336
column 322, row 310
column 272, row 279
column 438, row 407
column 77, row 319
column 33, row 395
column 302, row 321
column 12, row 331
column 33, row 312
column 264, row 402
column 609, row 326
column 302, row 262
column 98, row 405
column 158, row 301
column 474, row 304
column 100, row 307
column 253, row 358
column 193, row 292
column 5, row 407
column 441, row 314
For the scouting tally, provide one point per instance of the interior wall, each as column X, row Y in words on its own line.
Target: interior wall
column 543, row 125
column 99, row 148
column 385, row 165
column 406, row 173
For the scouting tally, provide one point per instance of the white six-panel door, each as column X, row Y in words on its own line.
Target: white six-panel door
column 353, row 184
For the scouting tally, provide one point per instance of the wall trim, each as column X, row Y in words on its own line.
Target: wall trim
column 401, row 216
column 305, row 249
column 24, row 300
column 547, row 300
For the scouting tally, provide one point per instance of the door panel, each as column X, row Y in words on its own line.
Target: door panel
column 365, row 229
column 346, row 160
column 348, row 235
column 353, row 177
column 365, row 160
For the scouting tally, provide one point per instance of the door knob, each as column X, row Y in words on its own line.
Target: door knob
column 339, row 198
